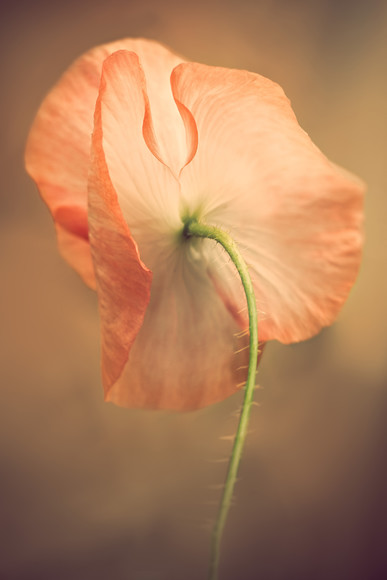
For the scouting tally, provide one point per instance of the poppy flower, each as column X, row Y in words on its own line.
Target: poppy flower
column 131, row 143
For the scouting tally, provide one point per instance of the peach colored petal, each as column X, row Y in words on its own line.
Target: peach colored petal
column 183, row 356
column 170, row 140
column 296, row 216
column 142, row 195
column 123, row 281
column 147, row 189
column 189, row 352
column 58, row 147
column 76, row 251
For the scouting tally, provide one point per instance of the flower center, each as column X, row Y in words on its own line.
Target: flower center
column 187, row 224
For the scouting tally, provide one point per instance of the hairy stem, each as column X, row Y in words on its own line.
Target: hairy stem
column 197, row 229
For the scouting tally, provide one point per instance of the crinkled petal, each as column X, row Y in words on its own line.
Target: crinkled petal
column 297, row 217
column 131, row 192
column 58, row 148
column 147, row 189
column 184, row 355
column 189, row 352
column 123, row 281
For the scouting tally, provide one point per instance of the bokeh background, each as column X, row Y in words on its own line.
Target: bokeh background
column 92, row 491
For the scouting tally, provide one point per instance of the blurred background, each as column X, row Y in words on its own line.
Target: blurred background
column 89, row 490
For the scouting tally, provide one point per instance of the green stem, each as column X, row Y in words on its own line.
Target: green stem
column 194, row 228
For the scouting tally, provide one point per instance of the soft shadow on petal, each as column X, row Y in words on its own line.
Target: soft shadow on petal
column 296, row 216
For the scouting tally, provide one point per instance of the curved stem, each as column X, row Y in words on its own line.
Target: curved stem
column 194, row 228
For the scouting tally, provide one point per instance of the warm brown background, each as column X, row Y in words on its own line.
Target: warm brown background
column 91, row 491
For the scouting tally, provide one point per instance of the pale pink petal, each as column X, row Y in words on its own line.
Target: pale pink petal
column 184, row 355
column 58, row 148
column 296, row 216
column 189, row 352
